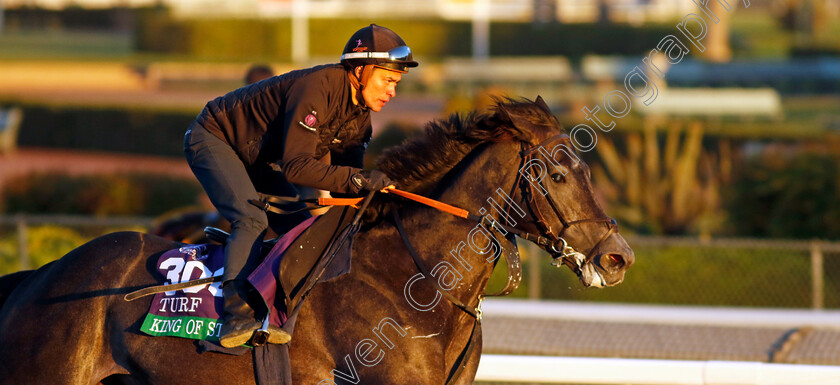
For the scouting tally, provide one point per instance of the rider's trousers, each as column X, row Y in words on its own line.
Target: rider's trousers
column 230, row 185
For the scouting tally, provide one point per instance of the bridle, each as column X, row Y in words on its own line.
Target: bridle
column 552, row 242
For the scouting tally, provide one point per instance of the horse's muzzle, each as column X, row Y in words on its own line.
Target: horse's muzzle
column 612, row 259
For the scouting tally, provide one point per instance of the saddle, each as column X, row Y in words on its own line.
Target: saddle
column 217, row 235
column 190, row 305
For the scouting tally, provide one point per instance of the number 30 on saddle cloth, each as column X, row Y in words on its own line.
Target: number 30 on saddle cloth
column 192, row 312
column 292, row 266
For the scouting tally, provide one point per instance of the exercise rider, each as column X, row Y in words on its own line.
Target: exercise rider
column 309, row 127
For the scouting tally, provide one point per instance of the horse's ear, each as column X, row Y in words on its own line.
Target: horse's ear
column 522, row 122
column 513, row 117
column 502, row 111
column 541, row 103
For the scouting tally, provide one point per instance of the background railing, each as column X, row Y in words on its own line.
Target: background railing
column 711, row 272
column 56, row 235
column 668, row 270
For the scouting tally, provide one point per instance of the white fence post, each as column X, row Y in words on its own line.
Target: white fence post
column 817, row 282
column 534, row 279
column 23, row 242
column 300, row 31
column 481, row 30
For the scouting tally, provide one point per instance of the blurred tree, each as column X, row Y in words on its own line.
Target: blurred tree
column 787, row 193
column 808, row 19
column 111, row 194
column 670, row 190
column 481, row 101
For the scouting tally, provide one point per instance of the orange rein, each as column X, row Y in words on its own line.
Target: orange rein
column 459, row 212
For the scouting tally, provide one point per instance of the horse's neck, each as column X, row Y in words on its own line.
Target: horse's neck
column 465, row 246
column 490, row 168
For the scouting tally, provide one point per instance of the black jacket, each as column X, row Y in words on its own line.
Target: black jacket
column 294, row 120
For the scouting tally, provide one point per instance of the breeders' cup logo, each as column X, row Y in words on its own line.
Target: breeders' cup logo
column 310, row 121
column 359, row 47
column 194, row 252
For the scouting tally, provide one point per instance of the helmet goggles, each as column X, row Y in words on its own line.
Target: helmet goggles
column 397, row 59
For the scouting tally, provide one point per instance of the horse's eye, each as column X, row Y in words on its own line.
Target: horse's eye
column 557, row 177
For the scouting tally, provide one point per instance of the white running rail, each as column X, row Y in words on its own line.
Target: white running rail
column 663, row 314
column 608, row 371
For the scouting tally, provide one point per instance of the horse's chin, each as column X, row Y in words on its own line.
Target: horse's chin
column 590, row 277
column 587, row 272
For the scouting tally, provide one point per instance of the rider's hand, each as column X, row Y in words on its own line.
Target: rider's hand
column 370, row 180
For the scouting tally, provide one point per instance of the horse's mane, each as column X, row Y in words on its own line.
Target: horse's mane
column 427, row 158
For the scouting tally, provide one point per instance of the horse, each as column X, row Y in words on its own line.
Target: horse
column 390, row 319
column 187, row 225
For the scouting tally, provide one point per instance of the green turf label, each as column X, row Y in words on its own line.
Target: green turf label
column 197, row 328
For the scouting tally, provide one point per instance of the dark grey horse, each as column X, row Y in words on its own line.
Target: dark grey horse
column 383, row 323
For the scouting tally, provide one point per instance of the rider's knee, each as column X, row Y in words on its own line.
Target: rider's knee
column 255, row 224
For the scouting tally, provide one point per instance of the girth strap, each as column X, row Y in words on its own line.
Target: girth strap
column 461, row 361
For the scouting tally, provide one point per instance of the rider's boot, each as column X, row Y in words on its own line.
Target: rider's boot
column 238, row 319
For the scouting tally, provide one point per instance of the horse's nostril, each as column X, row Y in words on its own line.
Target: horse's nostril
column 612, row 262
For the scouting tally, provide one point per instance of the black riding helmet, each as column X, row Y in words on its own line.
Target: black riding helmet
column 379, row 46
